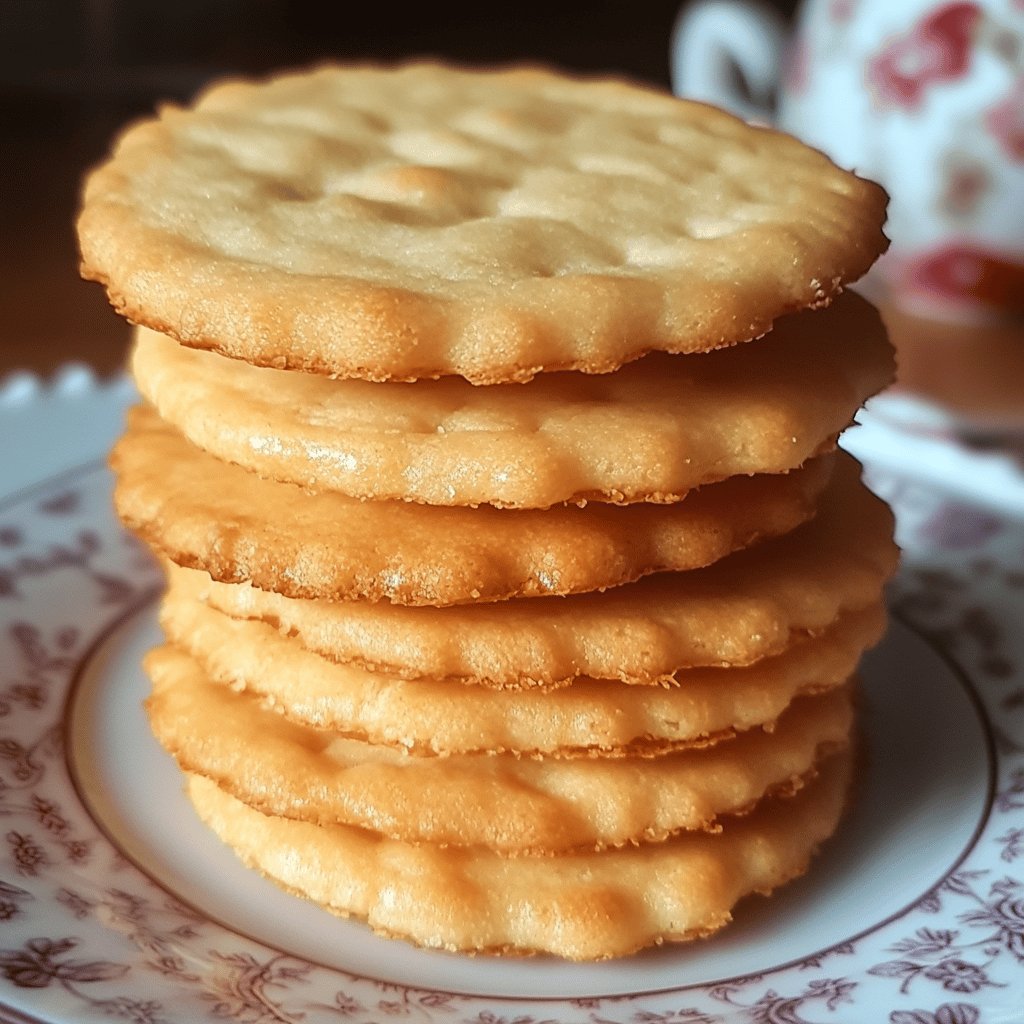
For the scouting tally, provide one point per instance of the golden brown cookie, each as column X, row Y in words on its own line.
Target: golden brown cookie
column 652, row 431
column 747, row 606
column 400, row 223
column 580, row 906
column 506, row 803
column 439, row 716
column 210, row 515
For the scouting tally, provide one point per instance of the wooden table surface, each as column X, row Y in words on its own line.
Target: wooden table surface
column 48, row 315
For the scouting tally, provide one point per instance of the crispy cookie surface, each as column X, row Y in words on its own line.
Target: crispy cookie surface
column 206, row 514
column 419, row 221
column 439, row 716
column 499, row 801
column 652, row 431
column 580, row 906
column 747, row 606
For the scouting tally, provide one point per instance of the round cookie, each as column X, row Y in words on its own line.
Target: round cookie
column 205, row 514
column 409, row 222
column 425, row 716
column 744, row 607
column 581, row 906
column 652, row 431
column 511, row 804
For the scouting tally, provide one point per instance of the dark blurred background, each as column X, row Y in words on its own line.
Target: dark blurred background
column 73, row 71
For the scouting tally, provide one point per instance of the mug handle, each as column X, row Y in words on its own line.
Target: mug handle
column 713, row 39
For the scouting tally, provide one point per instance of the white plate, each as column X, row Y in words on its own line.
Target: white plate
column 115, row 903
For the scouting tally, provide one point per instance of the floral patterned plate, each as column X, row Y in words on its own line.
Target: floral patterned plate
column 115, row 903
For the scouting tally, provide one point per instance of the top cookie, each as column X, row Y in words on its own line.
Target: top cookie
column 421, row 221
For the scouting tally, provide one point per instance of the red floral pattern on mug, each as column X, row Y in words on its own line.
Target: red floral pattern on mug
column 936, row 49
column 1006, row 122
column 970, row 274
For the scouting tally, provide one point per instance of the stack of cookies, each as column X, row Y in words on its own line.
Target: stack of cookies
column 516, row 589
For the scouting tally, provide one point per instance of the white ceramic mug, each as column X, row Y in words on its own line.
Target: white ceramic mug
column 926, row 97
